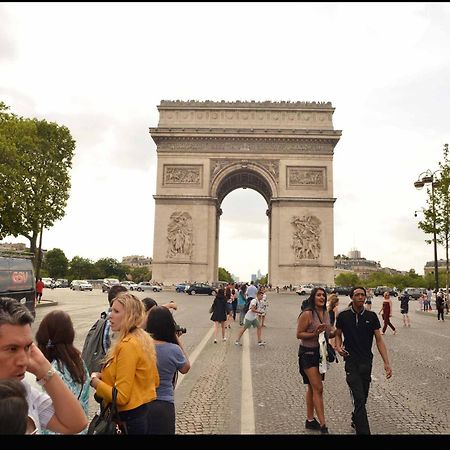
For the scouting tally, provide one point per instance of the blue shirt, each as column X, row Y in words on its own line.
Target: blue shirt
column 169, row 359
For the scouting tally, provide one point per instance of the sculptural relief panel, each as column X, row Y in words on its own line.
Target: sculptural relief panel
column 306, row 177
column 240, row 146
column 189, row 175
column 306, row 237
column 180, row 236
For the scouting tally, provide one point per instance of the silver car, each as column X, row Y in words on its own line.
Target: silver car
column 147, row 286
column 81, row 285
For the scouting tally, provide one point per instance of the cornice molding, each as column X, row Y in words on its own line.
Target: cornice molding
column 243, row 104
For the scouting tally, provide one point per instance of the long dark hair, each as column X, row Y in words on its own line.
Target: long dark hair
column 161, row 325
column 310, row 304
column 55, row 337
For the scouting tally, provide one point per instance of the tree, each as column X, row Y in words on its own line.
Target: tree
column 56, row 264
column 438, row 212
column 139, row 274
column 347, row 279
column 224, row 275
column 81, row 268
column 110, row 267
column 35, row 158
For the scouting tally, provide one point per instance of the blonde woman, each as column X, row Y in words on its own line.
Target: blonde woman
column 333, row 311
column 130, row 365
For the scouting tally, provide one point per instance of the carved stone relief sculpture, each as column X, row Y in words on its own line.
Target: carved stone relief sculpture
column 307, row 176
column 180, row 235
column 306, row 237
column 182, row 175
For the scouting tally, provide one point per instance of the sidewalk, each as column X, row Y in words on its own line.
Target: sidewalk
column 45, row 302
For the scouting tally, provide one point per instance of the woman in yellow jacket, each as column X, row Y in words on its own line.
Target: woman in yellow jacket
column 130, row 365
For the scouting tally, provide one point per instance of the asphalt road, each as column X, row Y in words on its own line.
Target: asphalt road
column 258, row 390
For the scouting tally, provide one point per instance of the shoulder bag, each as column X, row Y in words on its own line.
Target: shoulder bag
column 108, row 421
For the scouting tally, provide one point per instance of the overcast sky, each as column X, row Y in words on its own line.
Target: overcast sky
column 102, row 69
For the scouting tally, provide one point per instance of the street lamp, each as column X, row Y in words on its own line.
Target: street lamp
column 429, row 178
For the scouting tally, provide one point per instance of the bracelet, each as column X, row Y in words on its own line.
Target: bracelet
column 42, row 381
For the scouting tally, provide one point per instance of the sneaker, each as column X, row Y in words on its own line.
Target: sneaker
column 237, row 343
column 224, row 339
column 312, row 424
column 261, row 343
column 215, row 341
column 324, row 429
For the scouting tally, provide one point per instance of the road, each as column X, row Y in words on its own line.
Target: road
column 258, row 390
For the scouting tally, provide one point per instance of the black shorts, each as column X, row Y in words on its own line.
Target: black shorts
column 308, row 357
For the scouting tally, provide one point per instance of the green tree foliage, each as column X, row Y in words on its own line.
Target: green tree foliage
column 81, row 269
column 347, row 279
column 56, row 264
column 110, row 268
column 438, row 210
column 35, row 158
column 263, row 279
column 224, row 275
column 139, row 274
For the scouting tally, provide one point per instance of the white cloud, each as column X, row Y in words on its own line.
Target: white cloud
column 101, row 70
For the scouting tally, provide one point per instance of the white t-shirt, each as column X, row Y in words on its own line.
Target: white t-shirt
column 250, row 315
column 40, row 406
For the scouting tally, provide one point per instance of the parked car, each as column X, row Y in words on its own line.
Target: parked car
column 305, row 289
column 147, row 286
column 62, row 283
column 129, row 285
column 414, row 293
column 342, row 290
column 81, row 285
column 200, row 288
column 380, row 290
column 181, row 287
column 49, row 283
column 108, row 282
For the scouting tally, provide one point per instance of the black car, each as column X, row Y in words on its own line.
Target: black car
column 380, row 290
column 200, row 288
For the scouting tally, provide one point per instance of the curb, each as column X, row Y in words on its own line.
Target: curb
column 45, row 303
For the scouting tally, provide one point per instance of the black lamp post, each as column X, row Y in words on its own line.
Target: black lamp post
column 428, row 178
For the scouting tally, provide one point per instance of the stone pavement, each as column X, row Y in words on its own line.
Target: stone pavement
column 209, row 398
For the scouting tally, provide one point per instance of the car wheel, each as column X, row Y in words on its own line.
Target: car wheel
column 193, row 292
column 154, row 289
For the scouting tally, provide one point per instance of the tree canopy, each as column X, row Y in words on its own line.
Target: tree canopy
column 56, row 264
column 35, row 158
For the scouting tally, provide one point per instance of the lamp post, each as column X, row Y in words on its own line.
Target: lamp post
column 429, row 178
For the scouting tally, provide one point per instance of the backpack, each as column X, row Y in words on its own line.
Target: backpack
column 247, row 305
column 93, row 349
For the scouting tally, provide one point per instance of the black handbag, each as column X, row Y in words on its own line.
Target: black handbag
column 108, row 421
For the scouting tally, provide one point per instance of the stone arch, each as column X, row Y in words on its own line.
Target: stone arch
column 243, row 174
column 283, row 150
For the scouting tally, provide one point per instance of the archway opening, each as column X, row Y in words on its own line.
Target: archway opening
column 244, row 234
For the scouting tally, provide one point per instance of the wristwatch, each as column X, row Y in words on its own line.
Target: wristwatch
column 42, row 381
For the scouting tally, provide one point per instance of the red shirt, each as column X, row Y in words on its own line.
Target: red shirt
column 39, row 286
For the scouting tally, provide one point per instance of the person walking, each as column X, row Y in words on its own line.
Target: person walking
column 251, row 320
column 333, row 311
column 39, row 289
column 404, row 308
column 440, row 304
column 171, row 359
column 54, row 338
column 130, row 366
column 219, row 314
column 359, row 326
column 312, row 321
column 386, row 313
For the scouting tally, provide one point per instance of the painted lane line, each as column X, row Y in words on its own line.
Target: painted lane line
column 247, row 407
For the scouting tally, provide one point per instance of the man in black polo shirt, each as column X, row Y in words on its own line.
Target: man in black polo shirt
column 359, row 327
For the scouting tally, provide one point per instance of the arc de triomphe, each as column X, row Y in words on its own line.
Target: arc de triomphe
column 283, row 150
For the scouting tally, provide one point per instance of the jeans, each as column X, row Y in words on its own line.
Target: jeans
column 358, row 376
column 136, row 419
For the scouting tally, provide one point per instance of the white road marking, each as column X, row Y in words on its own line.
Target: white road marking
column 194, row 355
column 247, row 408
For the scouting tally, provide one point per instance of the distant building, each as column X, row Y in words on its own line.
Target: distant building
column 13, row 247
column 137, row 261
column 253, row 277
column 355, row 263
column 429, row 266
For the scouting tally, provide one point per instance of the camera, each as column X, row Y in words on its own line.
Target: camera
column 180, row 330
